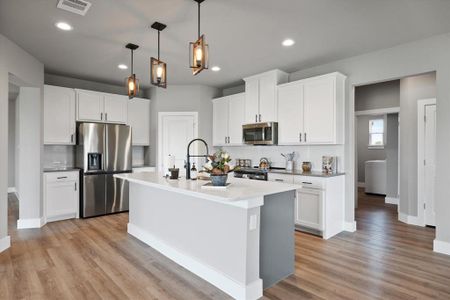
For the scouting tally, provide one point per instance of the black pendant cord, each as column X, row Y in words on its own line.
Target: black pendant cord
column 198, row 19
column 158, row 42
column 132, row 62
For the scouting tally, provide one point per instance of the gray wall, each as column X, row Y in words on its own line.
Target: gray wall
column 392, row 153
column 15, row 61
column 376, row 96
column 363, row 151
column 178, row 98
column 12, row 143
column 413, row 89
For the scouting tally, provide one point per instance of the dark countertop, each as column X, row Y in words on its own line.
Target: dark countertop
column 298, row 172
column 66, row 169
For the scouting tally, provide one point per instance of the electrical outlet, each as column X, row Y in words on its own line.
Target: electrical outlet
column 253, row 222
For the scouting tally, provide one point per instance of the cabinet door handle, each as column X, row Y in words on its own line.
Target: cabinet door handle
column 280, row 180
column 260, row 117
column 75, row 186
column 256, row 118
column 106, row 116
column 228, row 140
column 62, row 177
column 305, row 182
column 71, row 138
column 101, row 116
column 225, row 140
column 305, row 136
column 300, row 136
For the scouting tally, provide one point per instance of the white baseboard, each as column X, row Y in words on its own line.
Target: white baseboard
column 11, row 190
column 361, row 184
column 391, row 200
column 236, row 290
column 350, row 226
column 30, row 223
column 411, row 220
column 441, row 247
column 5, row 243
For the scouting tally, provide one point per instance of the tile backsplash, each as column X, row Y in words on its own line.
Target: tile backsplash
column 312, row 154
column 59, row 155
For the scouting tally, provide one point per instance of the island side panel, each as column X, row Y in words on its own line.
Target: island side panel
column 277, row 241
column 211, row 239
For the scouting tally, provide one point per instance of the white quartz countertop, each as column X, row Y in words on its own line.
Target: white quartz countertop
column 238, row 193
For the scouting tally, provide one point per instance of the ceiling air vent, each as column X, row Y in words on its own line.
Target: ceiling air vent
column 76, row 6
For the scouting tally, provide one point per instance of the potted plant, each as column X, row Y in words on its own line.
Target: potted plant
column 218, row 166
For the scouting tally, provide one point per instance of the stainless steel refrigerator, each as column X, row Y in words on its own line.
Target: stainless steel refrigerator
column 102, row 151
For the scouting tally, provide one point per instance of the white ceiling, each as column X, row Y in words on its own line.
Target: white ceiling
column 244, row 35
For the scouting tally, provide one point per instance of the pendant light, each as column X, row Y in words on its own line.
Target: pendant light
column 158, row 68
column 132, row 81
column 198, row 50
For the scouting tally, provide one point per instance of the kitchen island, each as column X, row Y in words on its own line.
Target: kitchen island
column 240, row 239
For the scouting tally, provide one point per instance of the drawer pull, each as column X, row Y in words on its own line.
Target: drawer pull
column 62, row 177
column 306, row 182
column 281, row 180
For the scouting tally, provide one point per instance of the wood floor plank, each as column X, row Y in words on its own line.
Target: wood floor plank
column 96, row 259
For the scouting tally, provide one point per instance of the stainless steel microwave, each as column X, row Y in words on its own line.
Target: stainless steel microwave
column 260, row 133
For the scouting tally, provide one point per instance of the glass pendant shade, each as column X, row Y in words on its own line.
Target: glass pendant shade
column 198, row 54
column 158, row 71
column 133, row 86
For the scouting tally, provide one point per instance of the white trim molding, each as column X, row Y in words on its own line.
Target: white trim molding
column 441, row 247
column 411, row 220
column 391, row 200
column 350, row 226
column 381, row 111
column 5, row 243
column 251, row 291
column 30, row 223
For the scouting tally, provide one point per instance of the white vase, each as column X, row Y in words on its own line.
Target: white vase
column 289, row 165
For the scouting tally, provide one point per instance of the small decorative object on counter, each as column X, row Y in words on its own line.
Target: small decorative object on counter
column 174, row 173
column 289, row 160
column 329, row 164
column 219, row 166
column 193, row 172
column 264, row 163
column 306, row 167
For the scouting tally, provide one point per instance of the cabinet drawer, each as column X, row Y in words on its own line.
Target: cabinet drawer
column 310, row 182
column 61, row 176
column 281, row 178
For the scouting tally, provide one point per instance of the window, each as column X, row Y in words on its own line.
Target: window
column 376, row 133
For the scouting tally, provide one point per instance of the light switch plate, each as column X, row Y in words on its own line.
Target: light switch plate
column 253, row 222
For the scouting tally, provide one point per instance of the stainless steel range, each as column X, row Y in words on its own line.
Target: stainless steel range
column 102, row 151
column 251, row 173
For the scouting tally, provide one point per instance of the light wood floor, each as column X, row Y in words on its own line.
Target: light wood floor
column 96, row 259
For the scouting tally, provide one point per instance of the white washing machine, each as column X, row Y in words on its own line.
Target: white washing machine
column 375, row 173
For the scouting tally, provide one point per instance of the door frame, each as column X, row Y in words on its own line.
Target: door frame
column 161, row 115
column 421, row 104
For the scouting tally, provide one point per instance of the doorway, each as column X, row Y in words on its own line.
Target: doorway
column 426, row 137
column 175, row 131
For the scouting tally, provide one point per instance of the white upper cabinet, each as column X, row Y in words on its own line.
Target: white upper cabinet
column 311, row 111
column 59, row 115
column 290, row 113
column 90, row 106
column 260, row 96
column 139, row 120
column 116, row 108
column 101, row 107
column 228, row 118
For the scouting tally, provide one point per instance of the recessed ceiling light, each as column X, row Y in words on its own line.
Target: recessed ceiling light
column 215, row 68
column 122, row 67
column 64, row 26
column 288, row 42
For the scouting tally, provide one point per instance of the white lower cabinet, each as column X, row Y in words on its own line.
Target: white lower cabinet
column 319, row 203
column 61, row 195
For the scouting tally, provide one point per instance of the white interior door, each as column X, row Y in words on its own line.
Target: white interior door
column 176, row 130
column 430, row 164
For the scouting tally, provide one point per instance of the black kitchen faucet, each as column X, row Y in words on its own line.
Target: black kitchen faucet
column 188, row 159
